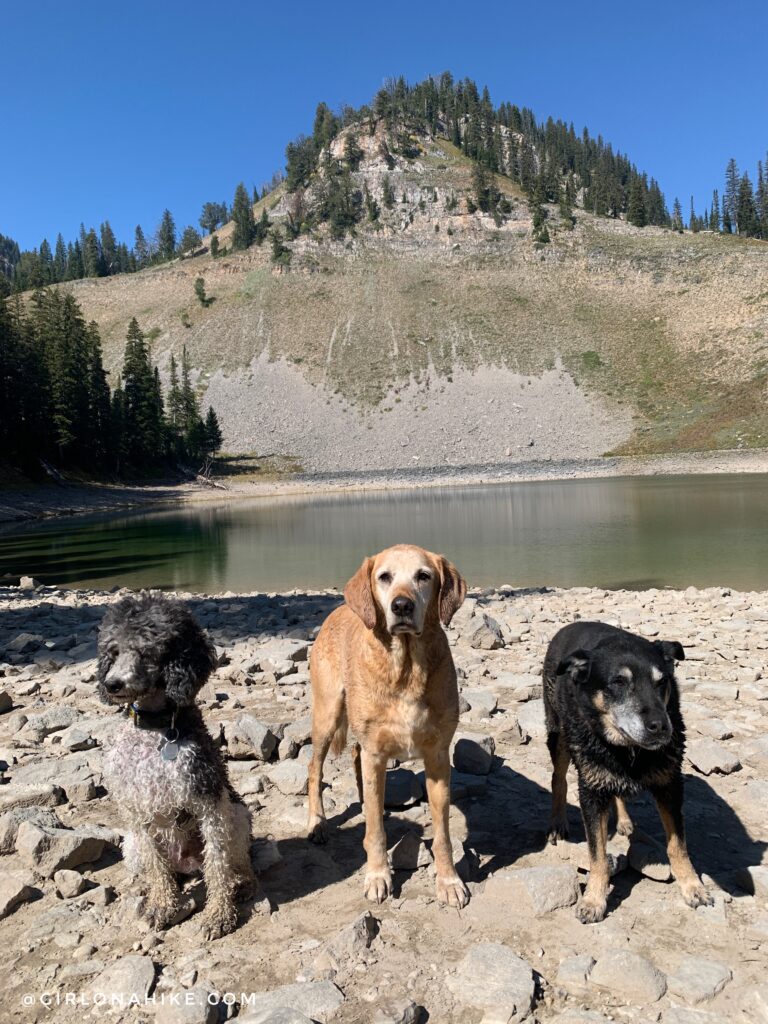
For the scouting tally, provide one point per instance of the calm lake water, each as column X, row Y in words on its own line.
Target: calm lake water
column 633, row 532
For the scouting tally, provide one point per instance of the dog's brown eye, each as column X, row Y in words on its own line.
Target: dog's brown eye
column 422, row 576
column 385, row 577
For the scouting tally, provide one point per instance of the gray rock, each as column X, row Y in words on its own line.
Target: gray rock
column 16, row 887
column 129, row 979
column 482, row 703
column 402, row 788
column 697, row 980
column 287, row 749
column 628, row 976
column 53, row 719
column 6, row 702
column 540, row 889
column 649, row 858
column 187, row 1006
column 679, row 1015
column 485, row 635
column 46, row 850
column 397, row 1011
column 474, row 754
column 300, row 730
column 530, row 718
column 34, row 795
column 409, row 853
column 573, row 972
column 283, row 1015
column 290, row 777
column 248, row 738
column 708, row 756
column 491, row 976
column 24, row 643
column 72, row 772
column 69, row 883
column 11, row 820
column 318, row 1000
column 354, row 938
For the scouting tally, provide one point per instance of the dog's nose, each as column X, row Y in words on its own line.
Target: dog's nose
column 655, row 725
column 114, row 685
column 403, row 606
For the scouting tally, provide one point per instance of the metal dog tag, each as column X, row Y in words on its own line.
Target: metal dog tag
column 170, row 751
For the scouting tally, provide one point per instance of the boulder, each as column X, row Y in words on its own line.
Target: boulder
column 491, row 976
column 629, row 977
column 474, row 754
column 539, row 889
column 318, row 1000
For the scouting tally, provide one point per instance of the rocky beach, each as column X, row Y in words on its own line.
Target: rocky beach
column 68, row 915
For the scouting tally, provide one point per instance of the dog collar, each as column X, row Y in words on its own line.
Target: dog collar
column 164, row 719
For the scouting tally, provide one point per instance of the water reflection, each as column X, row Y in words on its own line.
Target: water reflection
column 636, row 532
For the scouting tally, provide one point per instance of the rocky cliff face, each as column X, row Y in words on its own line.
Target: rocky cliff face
column 620, row 338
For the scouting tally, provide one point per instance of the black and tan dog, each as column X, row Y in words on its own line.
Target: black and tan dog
column 612, row 707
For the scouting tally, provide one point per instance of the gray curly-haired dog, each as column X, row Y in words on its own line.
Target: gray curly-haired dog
column 163, row 769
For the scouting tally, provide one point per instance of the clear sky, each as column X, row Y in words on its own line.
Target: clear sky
column 117, row 110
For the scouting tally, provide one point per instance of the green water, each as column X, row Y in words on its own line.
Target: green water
column 632, row 532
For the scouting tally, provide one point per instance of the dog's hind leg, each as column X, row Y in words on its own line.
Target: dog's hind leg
column 357, row 765
column 624, row 824
column 594, row 808
column 669, row 800
column 216, row 825
column 558, row 820
column 329, row 728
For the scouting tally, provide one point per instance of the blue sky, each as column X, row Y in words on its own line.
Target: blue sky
column 115, row 111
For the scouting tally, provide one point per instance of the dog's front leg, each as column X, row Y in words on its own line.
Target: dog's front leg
column 378, row 877
column 162, row 899
column 220, row 915
column 594, row 810
column 449, row 887
column 669, row 800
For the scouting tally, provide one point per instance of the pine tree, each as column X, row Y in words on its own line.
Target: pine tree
column 91, row 255
column 353, row 154
column 190, row 239
column 731, row 196
column 746, row 216
column 212, row 216
column 213, row 434
column 166, row 237
column 214, row 246
column 242, row 215
column 636, row 213
column 108, row 249
column 140, row 247
column 143, row 427
column 60, row 259
column 714, row 213
column 261, row 229
column 677, row 216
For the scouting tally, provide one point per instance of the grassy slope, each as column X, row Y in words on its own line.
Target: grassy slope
column 675, row 326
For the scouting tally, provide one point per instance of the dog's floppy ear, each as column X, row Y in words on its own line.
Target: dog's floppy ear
column 576, row 665
column 358, row 594
column 192, row 660
column 671, row 650
column 453, row 590
column 103, row 665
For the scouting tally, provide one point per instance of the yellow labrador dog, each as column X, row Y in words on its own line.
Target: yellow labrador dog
column 382, row 666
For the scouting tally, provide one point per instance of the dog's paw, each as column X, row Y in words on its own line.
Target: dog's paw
column 695, row 895
column 557, row 830
column 160, row 916
column 590, row 910
column 378, row 885
column 218, row 921
column 452, row 892
column 625, row 827
column 318, row 831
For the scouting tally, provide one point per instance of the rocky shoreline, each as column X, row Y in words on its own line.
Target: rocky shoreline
column 21, row 505
column 68, row 918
